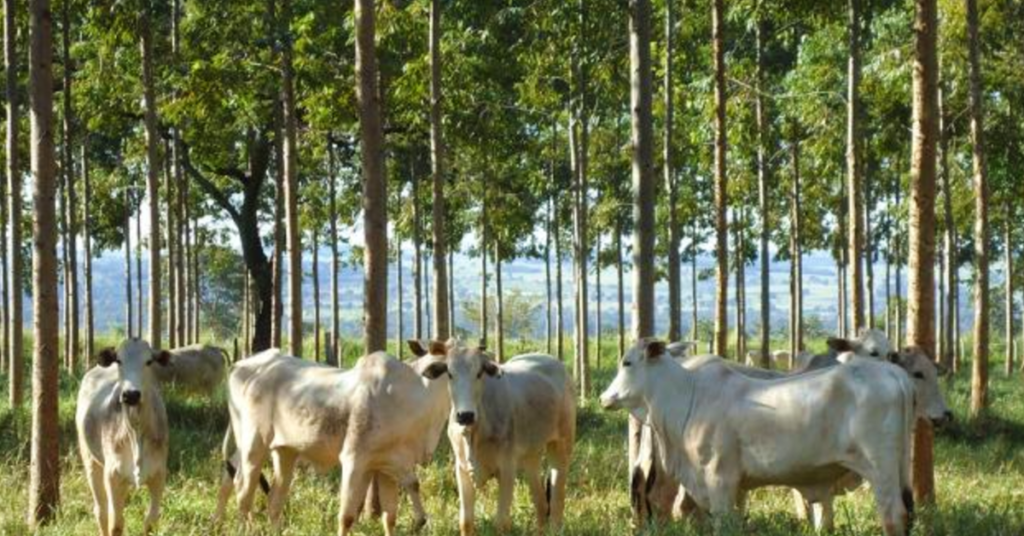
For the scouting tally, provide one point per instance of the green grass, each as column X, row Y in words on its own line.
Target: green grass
column 979, row 474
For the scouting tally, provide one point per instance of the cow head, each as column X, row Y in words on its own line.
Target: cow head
column 467, row 369
column 928, row 400
column 133, row 359
column 625, row 390
column 870, row 343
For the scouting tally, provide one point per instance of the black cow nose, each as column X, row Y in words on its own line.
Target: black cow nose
column 948, row 416
column 465, row 418
column 131, row 398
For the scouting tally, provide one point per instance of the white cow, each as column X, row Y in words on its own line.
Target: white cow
column 504, row 418
column 681, row 349
column 721, row 433
column 778, row 359
column 122, row 432
column 199, row 368
column 379, row 420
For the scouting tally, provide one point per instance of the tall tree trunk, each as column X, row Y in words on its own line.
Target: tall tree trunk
column 197, row 307
column 317, row 356
column 375, row 217
column 797, row 342
column 44, row 473
column 1007, row 240
column 16, row 359
column 400, row 302
column 499, row 322
column 172, row 247
column 277, row 321
column 246, row 312
column 898, row 305
column 73, row 345
column 483, row 260
column 693, row 283
column 620, row 287
column 90, row 320
column 152, row 178
column 180, row 309
column 764, row 179
column 979, row 377
column 597, row 304
column 5, row 325
column 559, row 309
column 547, row 276
column 417, row 246
column 921, row 284
column 869, row 256
column 854, row 171
column 741, row 287
column 643, row 183
column 334, row 358
column 582, row 252
column 721, row 188
column 291, row 186
column 139, row 299
column 441, row 305
column 675, row 315
column 949, row 243
column 129, row 315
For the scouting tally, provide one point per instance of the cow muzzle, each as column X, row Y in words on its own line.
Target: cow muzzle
column 131, row 397
column 946, row 418
column 465, row 418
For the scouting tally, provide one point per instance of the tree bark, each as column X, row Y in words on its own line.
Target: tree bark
column 578, row 142
column 693, row 282
column 797, row 329
column 721, row 342
column 483, row 260
column 5, row 325
column 559, row 309
column 979, row 377
column 764, row 179
column 898, row 306
column 1008, row 282
column 854, row 172
column 620, row 287
column 675, row 317
column 246, row 312
column 643, row 184
column 400, row 302
column 277, row 264
column 180, row 308
column 499, row 322
column 16, row 359
column 68, row 168
column 291, row 186
column 129, row 295
column 375, row 217
column 441, row 328
column 921, row 297
column 139, row 299
column 90, row 321
column 317, row 356
column 44, row 472
column 548, row 331
column 417, row 245
column 949, row 244
column 152, row 178
column 172, row 256
column 597, row 299
column 741, row 287
column 335, row 268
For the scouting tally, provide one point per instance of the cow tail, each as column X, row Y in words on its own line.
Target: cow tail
column 227, row 448
column 547, row 496
column 224, row 355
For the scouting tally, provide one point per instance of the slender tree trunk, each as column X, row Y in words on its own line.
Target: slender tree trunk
column 441, row 305
column 979, row 377
column 335, row 354
column 197, row 310
column 246, row 312
column 675, row 316
column 5, row 325
column 763, row 186
column 152, row 179
column 62, row 267
column 949, row 243
column 854, row 170
column 582, row 249
column 44, row 473
column 90, row 321
column 451, row 291
column 559, row 309
column 291, row 187
column 499, row 322
column 317, row 355
column 400, row 304
column 741, row 288
column 921, row 284
column 643, row 183
column 693, row 283
column 277, row 267
column 898, row 305
column 721, row 186
column 620, row 287
column 798, row 271
column 483, row 260
column 180, row 308
column 417, row 245
column 128, row 293
column 139, row 300
column 73, row 345
column 16, row 359
column 172, row 256
column 547, row 276
column 375, row 217
column 597, row 304
column 1007, row 240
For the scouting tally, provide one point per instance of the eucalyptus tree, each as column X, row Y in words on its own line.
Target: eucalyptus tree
column 15, row 343
column 153, row 166
column 979, row 376
column 721, row 180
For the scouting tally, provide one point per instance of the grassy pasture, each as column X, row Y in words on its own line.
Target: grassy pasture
column 979, row 474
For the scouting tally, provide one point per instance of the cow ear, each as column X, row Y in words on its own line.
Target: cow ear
column 438, row 348
column 107, row 357
column 162, row 357
column 435, row 370
column 492, row 369
column 655, row 349
column 840, row 345
column 417, row 347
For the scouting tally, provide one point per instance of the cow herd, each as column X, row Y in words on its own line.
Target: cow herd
column 711, row 430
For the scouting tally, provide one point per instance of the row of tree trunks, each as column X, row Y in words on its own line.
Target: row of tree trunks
column 579, row 133
column 796, row 340
column 72, row 347
column 951, row 328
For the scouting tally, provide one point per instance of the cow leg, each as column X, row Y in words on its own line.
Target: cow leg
column 354, row 483
column 506, row 488
column 722, row 496
column 248, row 476
column 227, row 485
column 411, row 485
column 117, row 489
column 559, row 474
column 534, row 478
column 889, row 502
column 802, row 506
column 824, row 516
column 284, row 471
column 387, row 489
column 94, row 474
column 467, row 500
column 155, row 484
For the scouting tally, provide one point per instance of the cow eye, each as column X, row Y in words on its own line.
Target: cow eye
column 480, row 374
column 874, row 354
column 626, row 363
column 919, row 375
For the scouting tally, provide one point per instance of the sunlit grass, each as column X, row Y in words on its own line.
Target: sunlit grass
column 979, row 473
